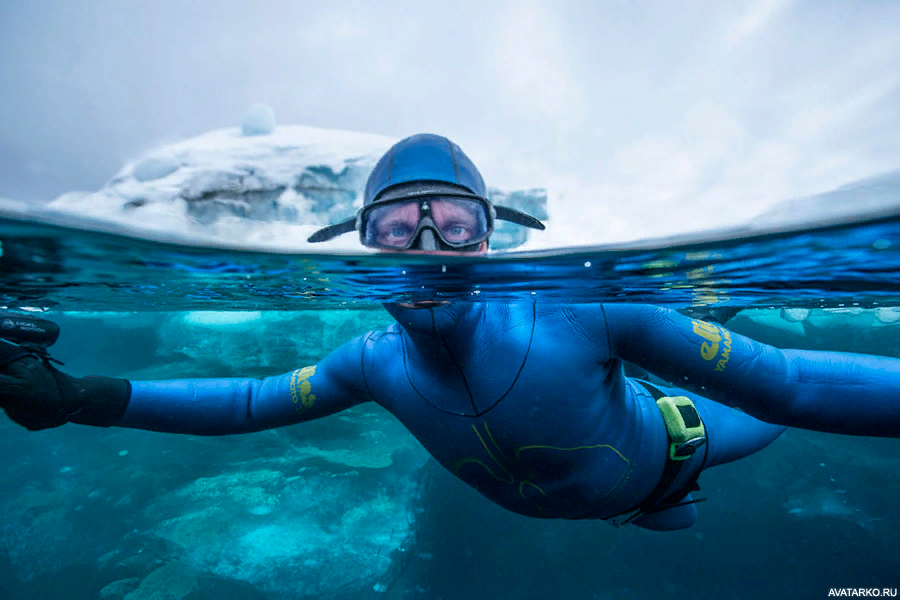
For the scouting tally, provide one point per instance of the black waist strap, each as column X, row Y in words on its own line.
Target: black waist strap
column 670, row 473
column 672, row 468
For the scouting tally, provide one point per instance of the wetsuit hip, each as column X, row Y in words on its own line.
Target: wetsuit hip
column 675, row 462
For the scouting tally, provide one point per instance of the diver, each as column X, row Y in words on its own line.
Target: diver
column 527, row 402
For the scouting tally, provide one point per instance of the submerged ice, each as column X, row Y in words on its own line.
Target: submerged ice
column 849, row 329
column 342, row 505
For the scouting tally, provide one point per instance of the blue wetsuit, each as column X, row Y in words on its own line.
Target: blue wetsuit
column 529, row 403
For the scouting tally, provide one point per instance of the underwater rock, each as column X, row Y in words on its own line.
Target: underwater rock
column 332, row 496
column 312, row 510
column 119, row 589
column 338, row 514
column 169, row 582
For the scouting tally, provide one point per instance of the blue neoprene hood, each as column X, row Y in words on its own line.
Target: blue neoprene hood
column 420, row 165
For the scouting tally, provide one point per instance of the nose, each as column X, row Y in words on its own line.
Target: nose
column 427, row 240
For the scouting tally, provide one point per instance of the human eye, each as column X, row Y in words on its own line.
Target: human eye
column 394, row 233
column 399, row 230
column 457, row 232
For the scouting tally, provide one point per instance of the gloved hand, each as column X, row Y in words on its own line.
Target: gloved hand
column 37, row 395
column 33, row 393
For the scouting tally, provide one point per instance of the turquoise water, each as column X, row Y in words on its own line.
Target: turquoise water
column 350, row 506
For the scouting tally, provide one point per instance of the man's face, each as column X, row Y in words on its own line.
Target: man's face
column 456, row 221
column 482, row 249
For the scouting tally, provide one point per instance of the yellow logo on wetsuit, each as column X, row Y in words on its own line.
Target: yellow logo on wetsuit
column 301, row 388
column 714, row 336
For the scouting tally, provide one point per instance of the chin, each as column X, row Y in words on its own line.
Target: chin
column 423, row 304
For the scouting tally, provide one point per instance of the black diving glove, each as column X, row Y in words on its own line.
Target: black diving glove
column 37, row 395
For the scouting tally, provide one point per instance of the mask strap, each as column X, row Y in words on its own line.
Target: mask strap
column 332, row 231
column 519, row 218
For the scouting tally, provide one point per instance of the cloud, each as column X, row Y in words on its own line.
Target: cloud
column 531, row 62
column 640, row 118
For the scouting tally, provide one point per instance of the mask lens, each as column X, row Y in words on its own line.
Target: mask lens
column 392, row 225
column 458, row 221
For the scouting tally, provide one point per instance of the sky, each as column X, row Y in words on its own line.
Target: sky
column 640, row 118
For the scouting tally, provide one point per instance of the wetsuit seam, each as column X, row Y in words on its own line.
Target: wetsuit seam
column 461, row 374
column 413, row 385
column 476, row 413
column 522, row 366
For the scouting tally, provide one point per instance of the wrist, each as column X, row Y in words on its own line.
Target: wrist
column 99, row 401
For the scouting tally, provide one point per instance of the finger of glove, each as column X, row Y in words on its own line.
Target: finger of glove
column 31, row 420
column 11, row 386
column 30, row 371
column 18, row 402
column 31, row 396
column 24, row 364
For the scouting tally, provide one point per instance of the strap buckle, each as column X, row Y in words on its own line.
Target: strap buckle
column 686, row 450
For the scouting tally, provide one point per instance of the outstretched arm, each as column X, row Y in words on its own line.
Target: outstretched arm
column 226, row 406
column 838, row 392
column 37, row 395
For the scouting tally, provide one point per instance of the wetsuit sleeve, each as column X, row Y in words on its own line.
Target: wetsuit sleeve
column 838, row 392
column 227, row 406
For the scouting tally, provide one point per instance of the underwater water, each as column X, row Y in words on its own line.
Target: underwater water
column 351, row 506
